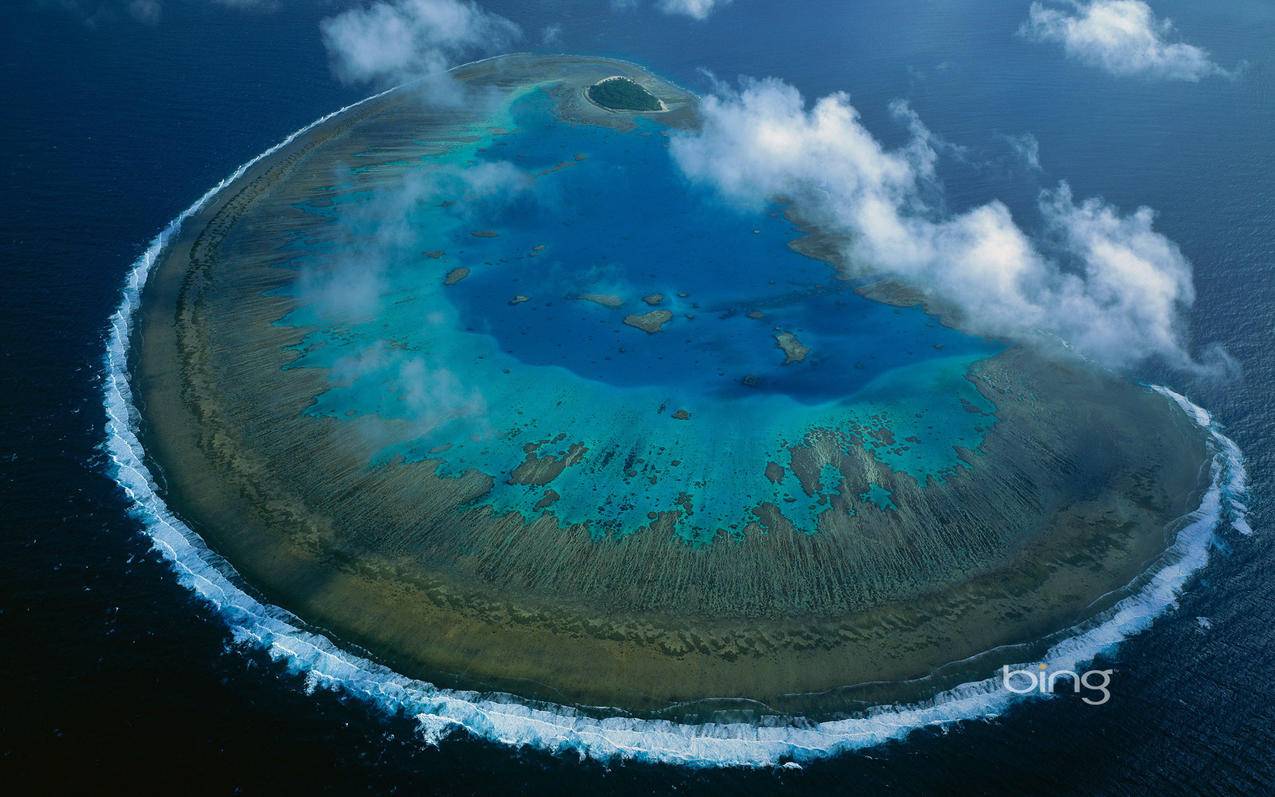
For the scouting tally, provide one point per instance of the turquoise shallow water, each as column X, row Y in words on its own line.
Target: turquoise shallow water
column 479, row 378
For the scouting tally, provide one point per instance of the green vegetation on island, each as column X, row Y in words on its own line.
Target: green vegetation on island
column 622, row 94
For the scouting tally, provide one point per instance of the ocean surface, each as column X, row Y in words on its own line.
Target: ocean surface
column 116, row 674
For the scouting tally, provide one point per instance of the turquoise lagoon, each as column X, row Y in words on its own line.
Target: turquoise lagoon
column 509, row 359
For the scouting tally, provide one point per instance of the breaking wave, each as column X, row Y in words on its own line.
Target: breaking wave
column 440, row 712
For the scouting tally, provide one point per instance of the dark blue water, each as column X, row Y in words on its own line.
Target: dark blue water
column 114, row 676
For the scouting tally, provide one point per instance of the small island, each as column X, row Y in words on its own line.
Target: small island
column 651, row 322
column 455, row 275
column 618, row 93
column 794, row 350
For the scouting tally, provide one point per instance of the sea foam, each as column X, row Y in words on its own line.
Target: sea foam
column 441, row 712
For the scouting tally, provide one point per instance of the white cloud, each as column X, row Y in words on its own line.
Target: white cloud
column 551, row 35
column 696, row 9
column 148, row 12
column 256, row 5
column 379, row 231
column 1026, row 147
column 428, row 395
column 1105, row 284
column 145, row 11
column 398, row 40
column 1124, row 37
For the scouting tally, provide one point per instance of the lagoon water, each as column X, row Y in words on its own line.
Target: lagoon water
column 582, row 211
column 118, row 666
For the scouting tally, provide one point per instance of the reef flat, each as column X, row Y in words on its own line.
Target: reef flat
column 793, row 349
column 529, row 496
column 651, row 322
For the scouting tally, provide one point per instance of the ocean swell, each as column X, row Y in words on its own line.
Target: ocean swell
column 561, row 728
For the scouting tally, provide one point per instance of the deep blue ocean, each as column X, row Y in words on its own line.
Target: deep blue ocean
column 116, row 677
